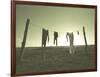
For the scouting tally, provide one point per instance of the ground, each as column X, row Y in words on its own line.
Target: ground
column 38, row 59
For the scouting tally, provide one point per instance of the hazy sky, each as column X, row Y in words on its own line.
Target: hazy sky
column 60, row 19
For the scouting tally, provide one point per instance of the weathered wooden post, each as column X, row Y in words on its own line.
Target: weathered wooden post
column 84, row 36
column 24, row 38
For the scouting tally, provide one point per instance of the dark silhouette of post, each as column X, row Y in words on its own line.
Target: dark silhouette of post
column 24, row 38
column 84, row 36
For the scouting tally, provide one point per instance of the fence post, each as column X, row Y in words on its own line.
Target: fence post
column 84, row 36
column 24, row 37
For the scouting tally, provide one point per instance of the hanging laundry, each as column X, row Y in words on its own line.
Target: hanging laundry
column 71, row 40
column 45, row 35
column 55, row 37
column 78, row 32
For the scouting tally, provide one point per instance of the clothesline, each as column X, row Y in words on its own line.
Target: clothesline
column 52, row 30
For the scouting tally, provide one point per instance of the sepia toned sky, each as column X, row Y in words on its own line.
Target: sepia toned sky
column 60, row 19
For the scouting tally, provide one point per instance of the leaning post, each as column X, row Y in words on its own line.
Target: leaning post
column 24, row 38
column 84, row 36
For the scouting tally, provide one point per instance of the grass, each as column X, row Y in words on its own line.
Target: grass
column 37, row 59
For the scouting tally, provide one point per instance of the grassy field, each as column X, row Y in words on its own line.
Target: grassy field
column 37, row 59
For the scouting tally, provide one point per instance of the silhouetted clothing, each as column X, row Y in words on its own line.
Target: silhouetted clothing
column 71, row 40
column 55, row 38
column 78, row 32
column 45, row 35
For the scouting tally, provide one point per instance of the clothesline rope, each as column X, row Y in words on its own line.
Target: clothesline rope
column 40, row 28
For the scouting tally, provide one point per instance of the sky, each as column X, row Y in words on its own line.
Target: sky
column 60, row 19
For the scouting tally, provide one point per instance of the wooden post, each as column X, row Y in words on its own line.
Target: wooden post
column 24, row 38
column 84, row 36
